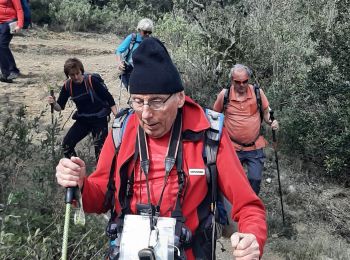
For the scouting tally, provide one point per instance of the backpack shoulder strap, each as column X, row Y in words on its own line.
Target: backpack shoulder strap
column 133, row 38
column 119, row 125
column 68, row 86
column 118, row 128
column 90, row 82
column 211, row 145
column 216, row 121
column 131, row 45
column 88, row 86
column 226, row 98
column 258, row 101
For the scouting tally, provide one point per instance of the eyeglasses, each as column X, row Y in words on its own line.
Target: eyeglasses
column 241, row 82
column 154, row 104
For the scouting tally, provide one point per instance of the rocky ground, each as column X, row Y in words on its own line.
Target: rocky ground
column 317, row 223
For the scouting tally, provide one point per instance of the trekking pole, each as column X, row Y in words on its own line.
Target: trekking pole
column 52, row 124
column 52, row 95
column 277, row 164
column 68, row 201
column 53, row 135
column 120, row 93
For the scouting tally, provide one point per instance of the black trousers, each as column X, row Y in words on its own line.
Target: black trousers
column 7, row 61
column 79, row 130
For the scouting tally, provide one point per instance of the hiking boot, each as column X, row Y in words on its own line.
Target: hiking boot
column 4, row 79
column 13, row 75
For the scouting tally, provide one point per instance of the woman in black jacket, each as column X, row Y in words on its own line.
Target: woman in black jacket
column 94, row 104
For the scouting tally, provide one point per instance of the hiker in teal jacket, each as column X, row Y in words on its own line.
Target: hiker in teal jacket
column 128, row 46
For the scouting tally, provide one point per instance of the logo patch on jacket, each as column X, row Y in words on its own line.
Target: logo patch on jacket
column 196, row 171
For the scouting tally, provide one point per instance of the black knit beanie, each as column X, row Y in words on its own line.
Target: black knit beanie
column 154, row 72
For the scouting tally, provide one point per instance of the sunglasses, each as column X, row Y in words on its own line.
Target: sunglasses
column 147, row 32
column 241, row 82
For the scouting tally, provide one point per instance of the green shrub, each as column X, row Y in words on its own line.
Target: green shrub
column 72, row 15
column 40, row 12
column 146, row 8
column 85, row 15
column 125, row 21
column 36, row 231
column 296, row 50
column 31, row 205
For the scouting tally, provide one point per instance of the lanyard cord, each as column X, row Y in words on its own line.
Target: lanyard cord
column 144, row 161
column 173, row 147
column 170, row 159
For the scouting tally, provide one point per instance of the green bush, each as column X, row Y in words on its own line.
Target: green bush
column 85, row 15
column 297, row 51
column 316, row 121
column 148, row 8
column 198, row 62
column 72, row 15
column 125, row 21
column 40, row 12
column 36, row 231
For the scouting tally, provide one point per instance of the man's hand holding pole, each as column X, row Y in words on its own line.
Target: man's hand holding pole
column 70, row 173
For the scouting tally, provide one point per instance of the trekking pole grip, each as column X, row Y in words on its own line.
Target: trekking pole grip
column 52, row 95
column 272, row 118
column 69, row 194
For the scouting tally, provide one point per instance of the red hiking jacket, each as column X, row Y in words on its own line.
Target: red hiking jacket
column 10, row 10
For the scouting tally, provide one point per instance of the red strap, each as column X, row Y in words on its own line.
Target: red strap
column 89, row 87
column 70, row 86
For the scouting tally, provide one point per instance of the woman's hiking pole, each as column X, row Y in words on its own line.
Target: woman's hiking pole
column 52, row 134
column 68, row 200
column 120, row 94
column 52, row 95
column 274, row 144
column 53, row 127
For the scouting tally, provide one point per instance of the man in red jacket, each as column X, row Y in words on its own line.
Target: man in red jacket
column 11, row 15
column 161, row 109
